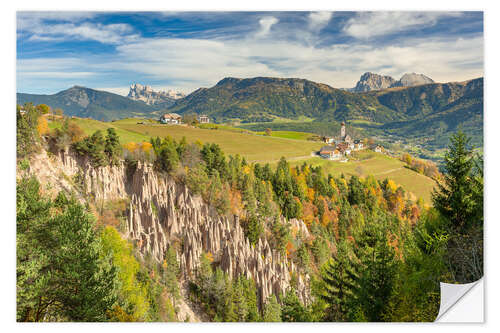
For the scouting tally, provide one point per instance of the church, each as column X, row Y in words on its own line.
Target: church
column 344, row 137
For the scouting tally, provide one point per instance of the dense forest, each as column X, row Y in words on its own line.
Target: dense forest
column 371, row 252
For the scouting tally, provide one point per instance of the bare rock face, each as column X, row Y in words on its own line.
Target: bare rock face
column 371, row 81
column 164, row 213
column 412, row 79
column 146, row 94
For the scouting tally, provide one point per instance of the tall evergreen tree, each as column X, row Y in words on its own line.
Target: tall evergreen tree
column 338, row 285
column 459, row 199
column 454, row 197
column 272, row 310
column 112, row 146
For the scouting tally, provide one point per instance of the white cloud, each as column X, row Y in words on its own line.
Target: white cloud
column 370, row 24
column 319, row 20
column 70, row 25
column 265, row 26
column 187, row 64
column 29, row 20
column 108, row 34
column 193, row 63
column 123, row 91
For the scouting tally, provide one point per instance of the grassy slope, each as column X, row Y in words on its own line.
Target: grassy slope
column 381, row 167
column 270, row 149
column 252, row 147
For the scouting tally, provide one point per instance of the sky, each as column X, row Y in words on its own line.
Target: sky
column 188, row 50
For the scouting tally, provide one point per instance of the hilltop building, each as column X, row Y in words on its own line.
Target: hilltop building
column 171, row 118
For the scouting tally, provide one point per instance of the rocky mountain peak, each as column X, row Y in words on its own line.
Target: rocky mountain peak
column 413, row 79
column 371, row 81
column 148, row 95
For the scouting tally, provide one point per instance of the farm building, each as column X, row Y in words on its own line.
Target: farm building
column 330, row 153
column 329, row 140
column 171, row 118
column 358, row 145
column 377, row 148
column 203, row 119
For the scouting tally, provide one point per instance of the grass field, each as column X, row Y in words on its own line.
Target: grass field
column 381, row 167
column 233, row 141
column 289, row 135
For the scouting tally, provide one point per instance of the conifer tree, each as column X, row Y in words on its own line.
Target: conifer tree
column 272, row 310
column 338, row 285
column 454, row 197
column 112, row 146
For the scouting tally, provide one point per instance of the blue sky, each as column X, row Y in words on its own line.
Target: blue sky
column 188, row 50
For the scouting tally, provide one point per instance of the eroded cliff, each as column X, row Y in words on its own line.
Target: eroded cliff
column 163, row 213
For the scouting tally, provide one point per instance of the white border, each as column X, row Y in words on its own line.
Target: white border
column 7, row 132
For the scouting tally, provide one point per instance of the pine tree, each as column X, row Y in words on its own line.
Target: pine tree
column 171, row 274
column 293, row 310
column 112, row 146
column 239, row 300
column 62, row 271
column 373, row 272
column 338, row 284
column 272, row 310
column 459, row 199
column 454, row 197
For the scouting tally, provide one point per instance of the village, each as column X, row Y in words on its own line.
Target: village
column 339, row 148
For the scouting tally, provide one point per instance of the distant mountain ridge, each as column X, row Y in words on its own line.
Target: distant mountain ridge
column 371, row 81
column 85, row 102
column 432, row 110
column 138, row 92
column 234, row 98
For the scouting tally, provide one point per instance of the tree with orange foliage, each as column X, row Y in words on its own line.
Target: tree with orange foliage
column 43, row 108
column 131, row 146
column 236, row 203
column 42, row 126
column 146, row 147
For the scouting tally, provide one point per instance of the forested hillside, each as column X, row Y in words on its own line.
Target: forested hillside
column 363, row 249
column 426, row 114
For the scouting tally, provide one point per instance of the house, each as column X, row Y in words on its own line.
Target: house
column 171, row 118
column 358, row 145
column 329, row 140
column 378, row 148
column 203, row 119
column 330, row 153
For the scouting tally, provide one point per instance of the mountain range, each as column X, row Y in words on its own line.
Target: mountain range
column 420, row 110
column 233, row 98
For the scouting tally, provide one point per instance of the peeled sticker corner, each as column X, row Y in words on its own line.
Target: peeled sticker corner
column 462, row 302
